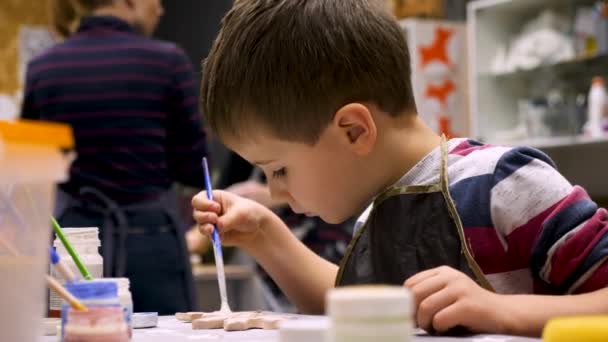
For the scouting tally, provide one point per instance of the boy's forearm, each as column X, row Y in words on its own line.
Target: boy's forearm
column 300, row 273
column 529, row 313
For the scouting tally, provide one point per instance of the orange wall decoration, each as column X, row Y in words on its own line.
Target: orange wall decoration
column 14, row 14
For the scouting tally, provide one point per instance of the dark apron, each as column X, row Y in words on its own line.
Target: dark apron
column 410, row 229
column 144, row 242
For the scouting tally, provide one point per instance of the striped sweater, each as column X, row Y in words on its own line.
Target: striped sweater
column 528, row 228
column 133, row 104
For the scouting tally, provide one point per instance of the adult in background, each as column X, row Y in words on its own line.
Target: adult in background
column 133, row 104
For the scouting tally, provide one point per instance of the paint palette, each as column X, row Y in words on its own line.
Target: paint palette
column 234, row 321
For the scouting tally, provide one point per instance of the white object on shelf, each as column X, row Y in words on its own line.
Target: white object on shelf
column 554, row 142
column 495, row 92
column 597, row 104
column 542, row 41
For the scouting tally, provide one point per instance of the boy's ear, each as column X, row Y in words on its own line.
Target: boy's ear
column 356, row 125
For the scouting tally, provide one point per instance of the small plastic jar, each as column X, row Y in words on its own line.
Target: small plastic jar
column 370, row 313
column 103, row 321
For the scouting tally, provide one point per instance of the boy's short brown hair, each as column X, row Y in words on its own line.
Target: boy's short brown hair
column 289, row 65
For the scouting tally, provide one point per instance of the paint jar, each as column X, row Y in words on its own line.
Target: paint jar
column 86, row 243
column 104, row 319
column 31, row 164
column 125, row 298
column 370, row 313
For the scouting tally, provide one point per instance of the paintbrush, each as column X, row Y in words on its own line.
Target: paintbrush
column 51, row 282
column 68, row 246
column 60, row 266
column 54, row 285
column 217, row 246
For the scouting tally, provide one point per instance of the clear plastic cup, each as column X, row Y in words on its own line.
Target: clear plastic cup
column 31, row 164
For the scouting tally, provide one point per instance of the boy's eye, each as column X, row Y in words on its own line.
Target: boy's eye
column 279, row 173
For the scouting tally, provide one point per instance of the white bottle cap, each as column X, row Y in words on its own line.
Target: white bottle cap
column 371, row 301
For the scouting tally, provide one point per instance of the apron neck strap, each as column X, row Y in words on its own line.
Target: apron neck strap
column 444, row 164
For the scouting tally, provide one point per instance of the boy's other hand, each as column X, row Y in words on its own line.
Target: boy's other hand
column 446, row 298
column 238, row 219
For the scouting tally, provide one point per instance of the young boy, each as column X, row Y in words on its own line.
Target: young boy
column 317, row 93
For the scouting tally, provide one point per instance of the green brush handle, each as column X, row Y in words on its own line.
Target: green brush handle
column 68, row 246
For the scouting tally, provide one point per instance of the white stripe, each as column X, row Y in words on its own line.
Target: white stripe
column 546, row 270
column 526, row 193
column 512, row 282
column 478, row 163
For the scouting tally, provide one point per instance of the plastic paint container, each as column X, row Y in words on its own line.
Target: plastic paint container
column 103, row 321
column 370, row 313
column 31, row 164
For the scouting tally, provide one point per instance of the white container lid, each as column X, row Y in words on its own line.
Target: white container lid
column 76, row 236
column 122, row 283
column 370, row 301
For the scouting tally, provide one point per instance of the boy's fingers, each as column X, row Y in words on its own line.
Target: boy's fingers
column 229, row 220
column 420, row 277
column 206, row 229
column 202, row 203
column 203, row 217
column 427, row 287
column 450, row 316
column 431, row 305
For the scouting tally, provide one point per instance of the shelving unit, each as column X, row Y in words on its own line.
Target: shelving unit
column 557, row 142
column 494, row 97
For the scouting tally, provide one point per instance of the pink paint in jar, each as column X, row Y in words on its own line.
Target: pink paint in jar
column 99, row 323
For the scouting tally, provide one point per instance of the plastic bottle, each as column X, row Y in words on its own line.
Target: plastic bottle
column 104, row 319
column 596, row 108
column 86, row 243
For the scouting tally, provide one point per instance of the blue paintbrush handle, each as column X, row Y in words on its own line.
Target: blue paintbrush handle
column 214, row 236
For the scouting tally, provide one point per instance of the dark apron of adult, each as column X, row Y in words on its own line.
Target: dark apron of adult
column 144, row 242
column 410, row 229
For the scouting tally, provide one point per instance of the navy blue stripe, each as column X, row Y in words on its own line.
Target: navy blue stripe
column 558, row 226
column 474, row 142
column 516, row 158
column 474, row 200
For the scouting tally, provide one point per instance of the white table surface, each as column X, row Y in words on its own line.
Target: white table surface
column 171, row 330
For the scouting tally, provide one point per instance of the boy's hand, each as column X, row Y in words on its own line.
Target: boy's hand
column 238, row 220
column 446, row 298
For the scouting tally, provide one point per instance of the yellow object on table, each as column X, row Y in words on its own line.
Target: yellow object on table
column 582, row 328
